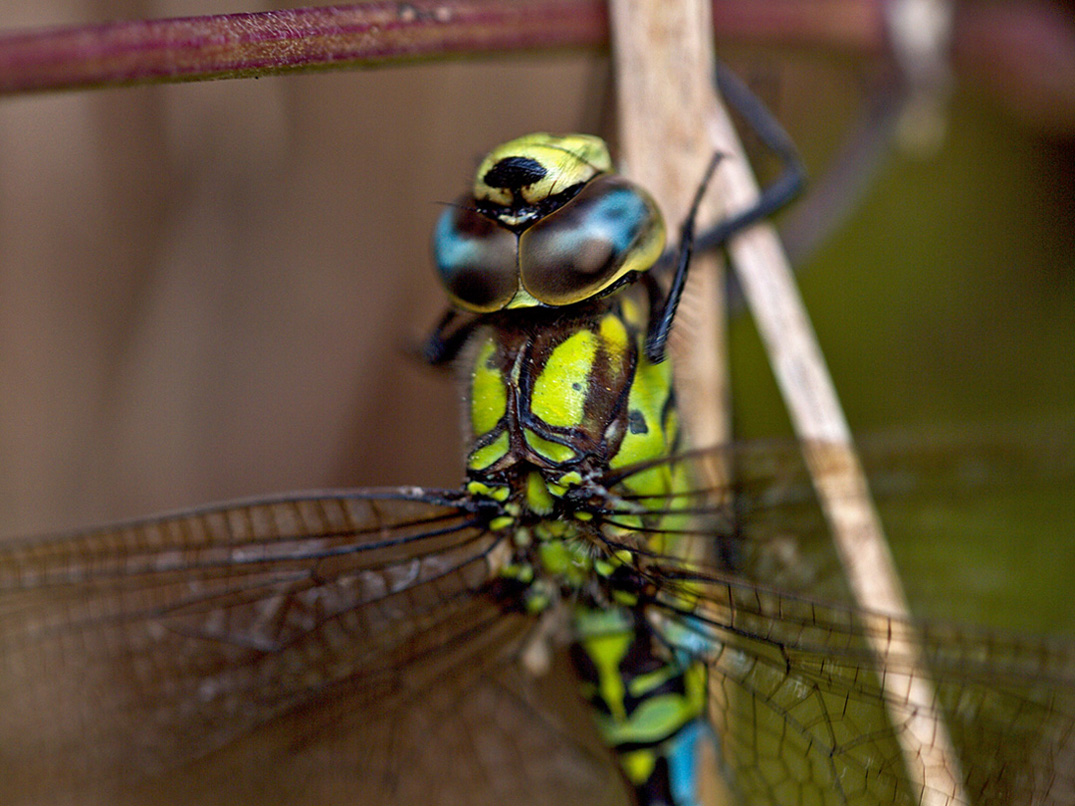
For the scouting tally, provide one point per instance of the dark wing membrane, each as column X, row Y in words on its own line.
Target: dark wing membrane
column 477, row 729
column 513, row 737
column 129, row 651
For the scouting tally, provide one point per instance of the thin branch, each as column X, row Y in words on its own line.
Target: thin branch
column 664, row 64
column 663, row 55
column 1021, row 54
column 266, row 43
column 837, row 475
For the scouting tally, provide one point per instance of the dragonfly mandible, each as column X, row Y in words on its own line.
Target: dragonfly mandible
column 590, row 619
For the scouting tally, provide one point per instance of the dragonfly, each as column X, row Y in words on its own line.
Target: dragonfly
column 592, row 617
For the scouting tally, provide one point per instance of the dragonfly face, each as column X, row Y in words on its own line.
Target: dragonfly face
column 421, row 646
column 546, row 226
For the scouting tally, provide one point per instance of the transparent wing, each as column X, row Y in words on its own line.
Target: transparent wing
column 331, row 647
column 795, row 680
column 344, row 648
column 758, row 513
column 797, row 700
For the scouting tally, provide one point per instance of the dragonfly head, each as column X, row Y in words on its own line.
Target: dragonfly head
column 547, row 225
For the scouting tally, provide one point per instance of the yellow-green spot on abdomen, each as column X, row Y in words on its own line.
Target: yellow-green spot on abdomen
column 488, row 394
column 638, row 765
column 560, row 390
column 606, row 652
column 653, row 720
column 645, row 683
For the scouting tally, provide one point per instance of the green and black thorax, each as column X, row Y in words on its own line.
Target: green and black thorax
column 562, row 389
column 569, row 395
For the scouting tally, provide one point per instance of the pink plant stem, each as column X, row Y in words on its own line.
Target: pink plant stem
column 1021, row 53
column 233, row 45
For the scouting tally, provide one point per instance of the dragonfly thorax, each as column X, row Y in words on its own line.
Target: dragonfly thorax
column 569, row 393
column 559, row 404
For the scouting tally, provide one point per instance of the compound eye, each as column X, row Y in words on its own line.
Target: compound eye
column 611, row 228
column 476, row 258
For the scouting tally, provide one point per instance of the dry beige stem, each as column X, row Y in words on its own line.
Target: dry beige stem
column 671, row 123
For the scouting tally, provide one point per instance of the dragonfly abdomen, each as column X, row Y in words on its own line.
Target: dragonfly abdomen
column 649, row 702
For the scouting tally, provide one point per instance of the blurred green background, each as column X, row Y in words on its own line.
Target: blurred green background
column 949, row 301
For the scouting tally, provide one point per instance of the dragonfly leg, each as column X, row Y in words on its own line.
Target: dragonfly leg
column 773, row 197
column 444, row 343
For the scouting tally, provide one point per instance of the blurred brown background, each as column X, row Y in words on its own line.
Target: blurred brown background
column 208, row 290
